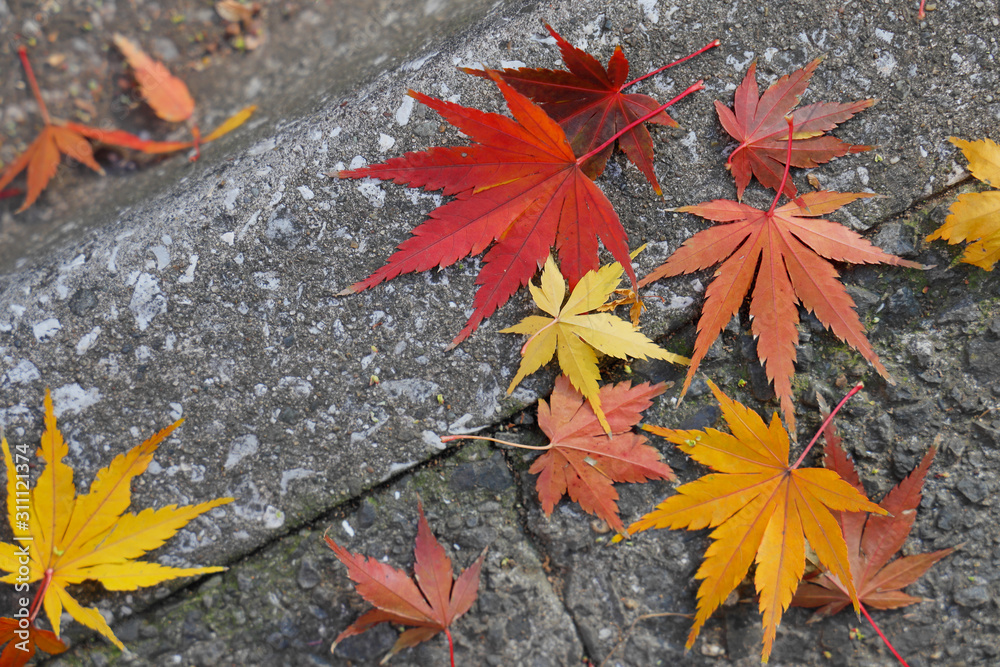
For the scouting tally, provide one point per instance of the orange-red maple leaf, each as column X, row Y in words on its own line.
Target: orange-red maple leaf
column 759, row 125
column 589, row 103
column 582, row 461
column 430, row 605
column 871, row 542
column 762, row 510
column 22, row 642
column 519, row 187
column 785, row 248
column 57, row 138
column 166, row 95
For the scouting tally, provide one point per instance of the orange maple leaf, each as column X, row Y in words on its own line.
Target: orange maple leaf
column 167, row 95
column 519, row 187
column 762, row 509
column 784, row 247
column 582, row 460
column 431, row 604
column 871, row 543
column 759, row 126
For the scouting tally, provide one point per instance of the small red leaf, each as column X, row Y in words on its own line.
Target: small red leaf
column 432, row 603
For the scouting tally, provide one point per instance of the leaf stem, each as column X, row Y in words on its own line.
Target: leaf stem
column 451, row 646
column 700, row 85
column 788, row 165
column 829, row 418
column 921, row 13
column 43, row 588
column 885, row 640
column 711, row 45
column 451, row 438
column 23, row 54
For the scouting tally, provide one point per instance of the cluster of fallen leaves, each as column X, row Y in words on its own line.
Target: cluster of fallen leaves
column 64, row 538
column 521, row 187
column 165, row 94
column 525, row 184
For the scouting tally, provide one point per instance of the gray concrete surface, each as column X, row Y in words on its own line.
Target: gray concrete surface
column 215, row 300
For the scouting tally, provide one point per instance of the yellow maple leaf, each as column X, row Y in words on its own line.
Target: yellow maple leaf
column 762, row 509
column 573, row 333
column 70, row 538
column 975, row 216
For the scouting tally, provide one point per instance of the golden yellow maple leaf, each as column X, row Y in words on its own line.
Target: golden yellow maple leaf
column 573, row 333
column 975, row 216
column 762, row 509
column 65, row 539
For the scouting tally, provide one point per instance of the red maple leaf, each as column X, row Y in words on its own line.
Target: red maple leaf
column 785, row 248
column 589, row 103
column 519, row 186
column 582, row 461
column 431, row 604
column 759, row 126
column 871, row 542
column 16, row 653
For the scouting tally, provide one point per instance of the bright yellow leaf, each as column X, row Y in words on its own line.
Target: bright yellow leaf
column 975, row 216
column 76, row 538
column 762, row 510
column 573, row 333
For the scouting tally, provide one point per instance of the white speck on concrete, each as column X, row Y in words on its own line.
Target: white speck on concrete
column 885, row 64
column 690, row 142
column 681, row 302
column 112, row 263
column 23, row 373
column 72, row 398
column 357, row 162
column 240, row 449
column 162, row 256
column 884, row 35
column 273, row 517
column 253, row 219
column 769, row 53
column 300, row 388
column 404, row 111
column 176, row 411
column 266, row 280
column 414, row 65
column 87, row 341
column 306, row 193
column 862, row 172
column 263, row 147
column 188, row 276
column 228, row 238
column 397, row 468
column 369, row 187
column 46, row 329
column 229, row 200
column 738, row 65
column 147, row 301
column 434, row 440
column 648, row 8
column 385, row 142
column 347, row 528
column 292, row 475
column 511, row 64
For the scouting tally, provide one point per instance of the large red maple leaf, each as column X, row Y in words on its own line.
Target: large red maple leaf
column 785, row 248
column 430, row 605
column 519, row 186
column 590, row 104
column 759, row 126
